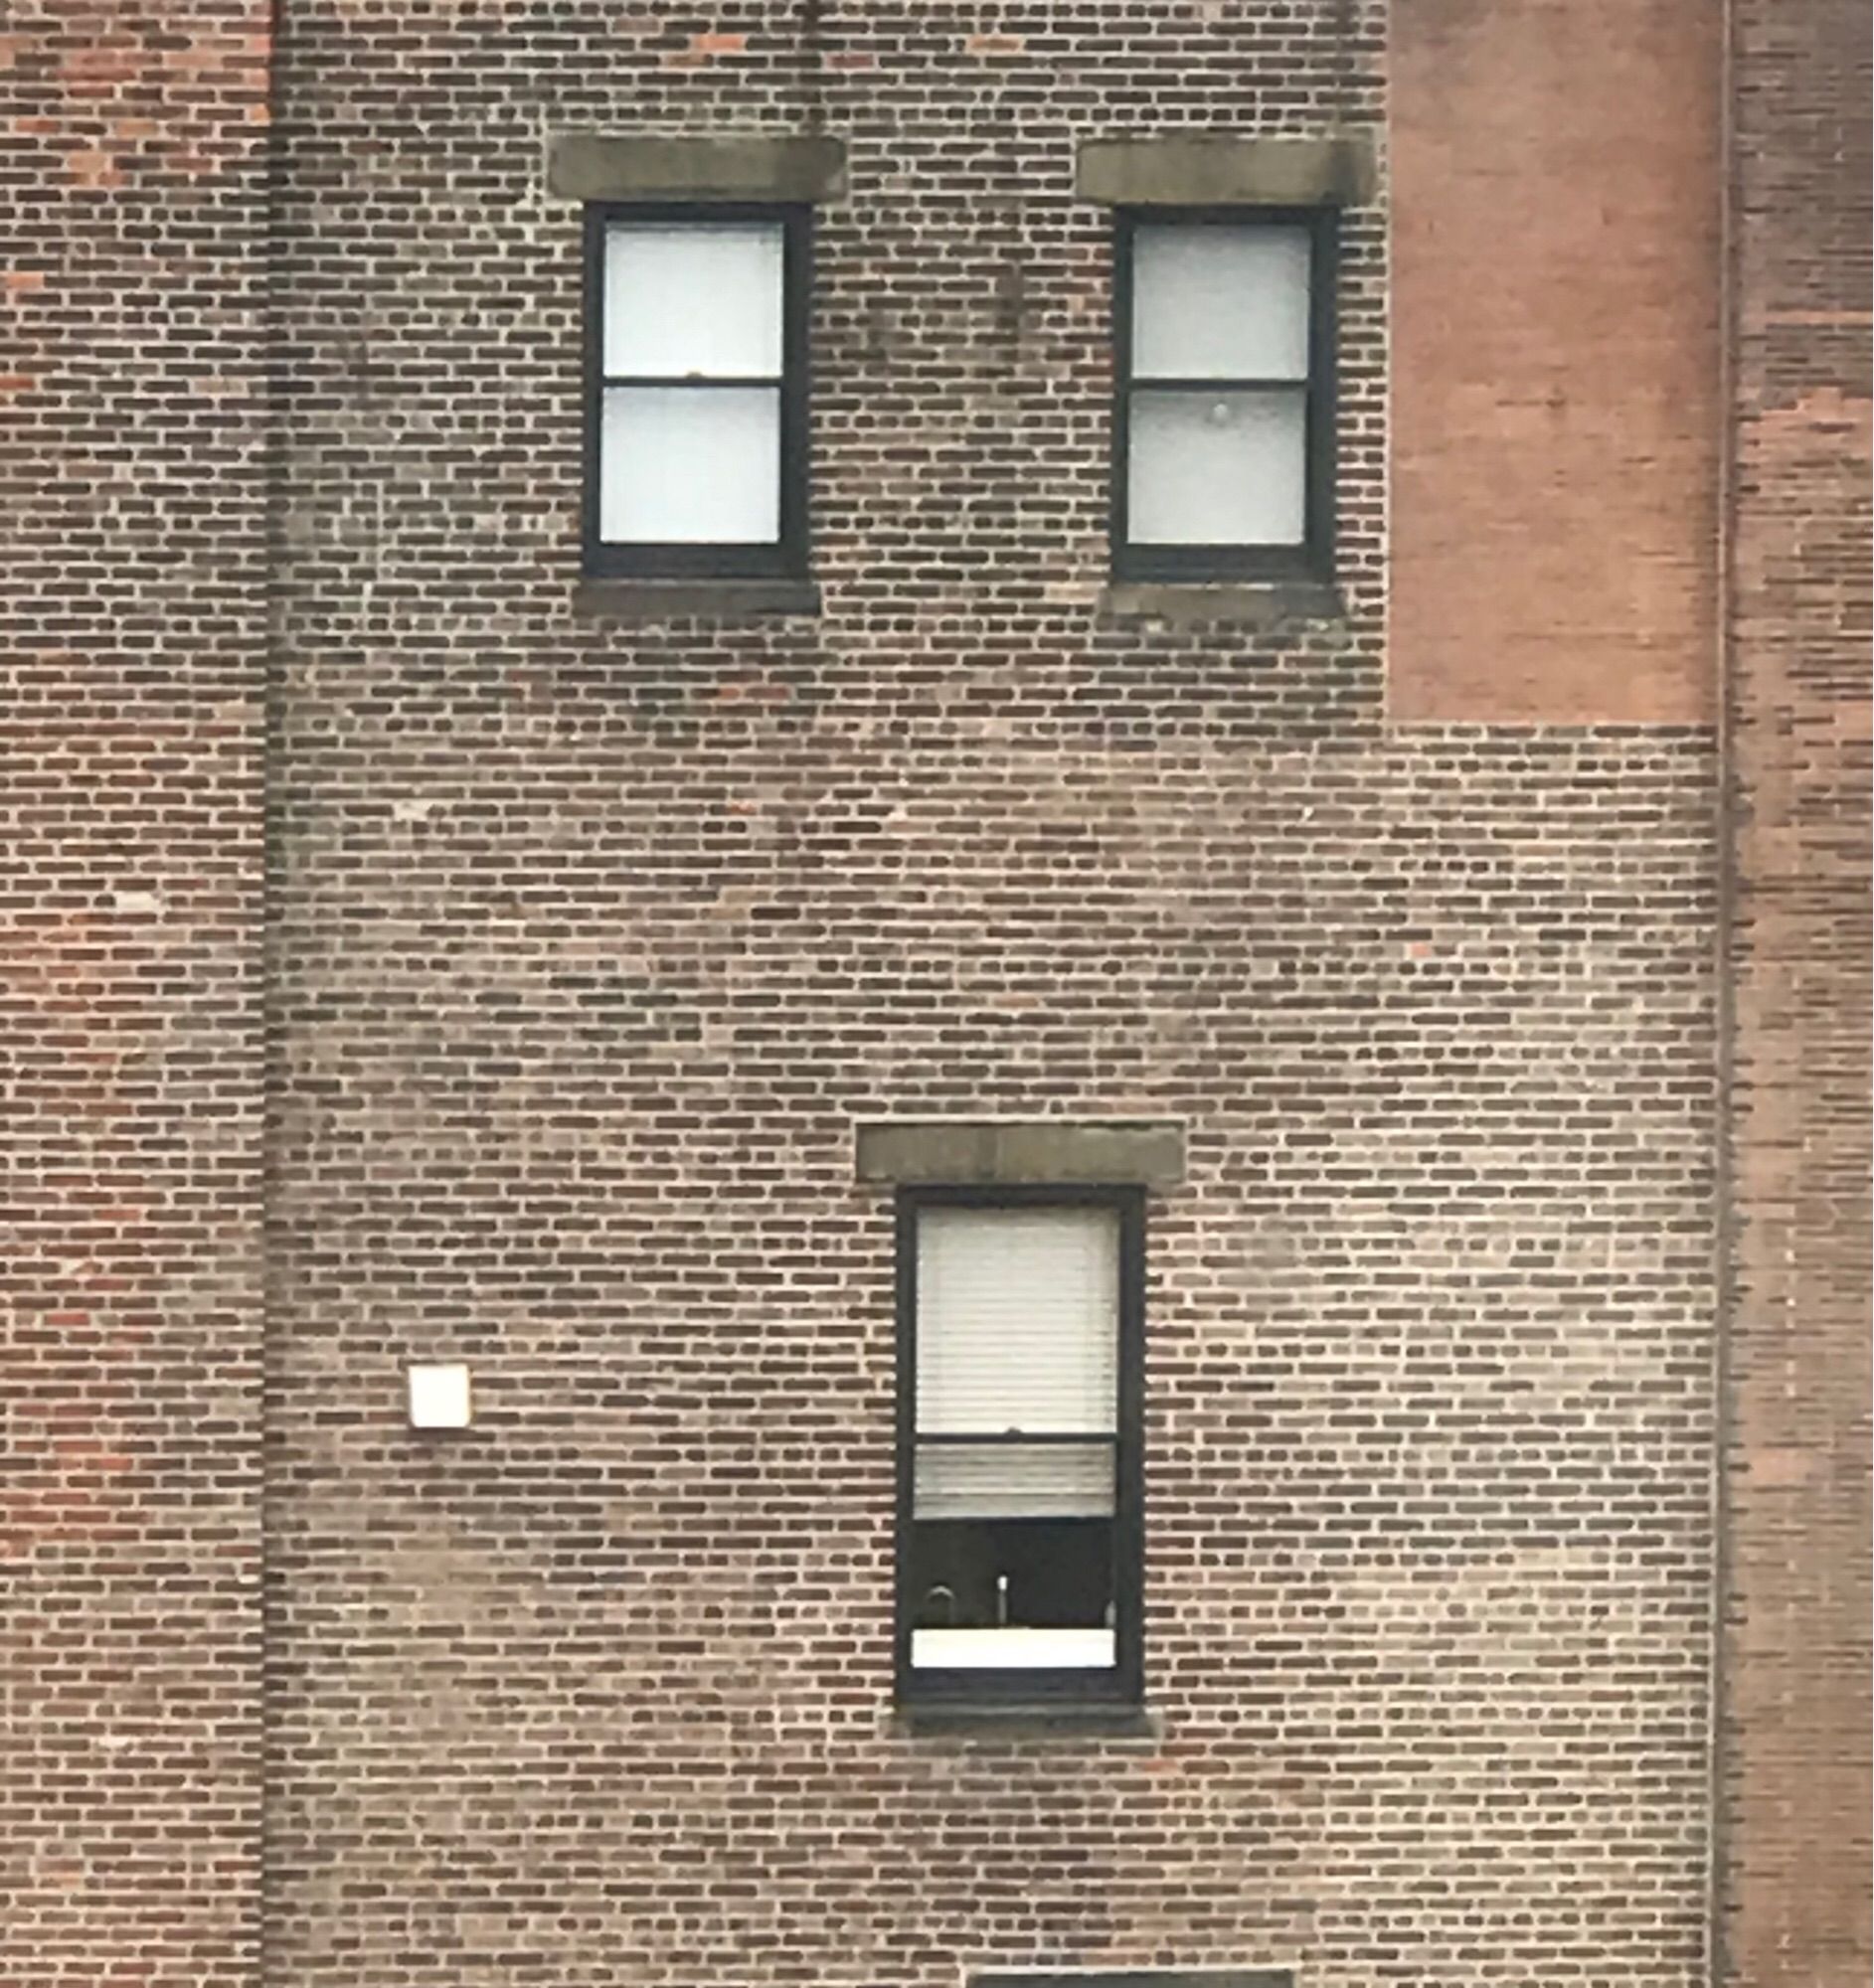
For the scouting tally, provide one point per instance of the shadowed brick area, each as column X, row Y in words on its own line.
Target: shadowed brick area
column 576, row 1057
column 1795, row 1667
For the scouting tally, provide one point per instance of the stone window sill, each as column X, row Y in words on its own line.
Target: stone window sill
column 1068, row 1723
column 692, row 599
column 1194, row 604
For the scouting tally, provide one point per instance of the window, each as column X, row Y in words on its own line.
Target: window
column 696, row 401
column 1020, row 1350
column 1223, row 423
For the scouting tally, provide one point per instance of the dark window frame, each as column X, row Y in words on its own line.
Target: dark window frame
column 1124, row 1683
column 1314, row 557
column 783, row 558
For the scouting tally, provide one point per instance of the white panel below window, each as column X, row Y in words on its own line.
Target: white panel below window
column 694, row 298
column 1012, row 1649
column 1218, row 469
column 684, row 465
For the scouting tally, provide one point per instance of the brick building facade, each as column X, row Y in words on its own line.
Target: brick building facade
column 432, row 951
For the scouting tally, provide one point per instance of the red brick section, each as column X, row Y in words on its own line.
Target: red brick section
column 1555, row 353
column 131, row 236
column 1794, row 1668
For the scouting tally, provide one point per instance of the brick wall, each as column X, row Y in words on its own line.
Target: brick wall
column 586, row 940
column 1794, row 1793
column 131, row 232
column 596, row 937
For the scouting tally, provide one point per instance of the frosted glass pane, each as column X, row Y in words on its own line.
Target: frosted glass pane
column 1013, row 1480
column 1212, row 303
column 1019, row 1322
column 703, row 300
column 1012, row 1649
column 691, row 464
column 1218, row 469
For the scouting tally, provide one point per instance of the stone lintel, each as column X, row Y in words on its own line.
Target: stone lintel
column 1022, row 1153
column 695, row 168
column 1224, row 172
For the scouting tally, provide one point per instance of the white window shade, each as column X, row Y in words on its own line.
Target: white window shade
column 1218, row 469
column 690, row 464
column 1213, row 302
column 1018, row 1321
column 702, row 300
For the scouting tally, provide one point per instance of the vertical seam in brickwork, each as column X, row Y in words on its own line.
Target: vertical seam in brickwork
column 813, row 63
column 273, row 700
column 1724, row 886
column 1343, row 60
column 1792, row 1786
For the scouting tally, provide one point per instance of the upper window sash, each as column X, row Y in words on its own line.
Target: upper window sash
column 1221, row 301
column 694, row 301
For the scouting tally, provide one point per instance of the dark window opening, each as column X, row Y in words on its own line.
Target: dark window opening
column 1036, row 1574
column 1019, row 1480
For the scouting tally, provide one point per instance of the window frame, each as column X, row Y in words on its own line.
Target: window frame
column 785, row 557
column 1123, row 1682
column 1314, row 557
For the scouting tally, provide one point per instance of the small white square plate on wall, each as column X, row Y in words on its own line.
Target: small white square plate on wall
column 438, row 1396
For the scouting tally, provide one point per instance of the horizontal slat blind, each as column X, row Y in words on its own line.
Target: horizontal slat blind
column 1013, row 1480
column 1017, row 1320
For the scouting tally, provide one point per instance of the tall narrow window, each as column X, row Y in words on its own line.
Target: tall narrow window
column 1223, row 424
column 696, row 420
column 1019, row 1555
